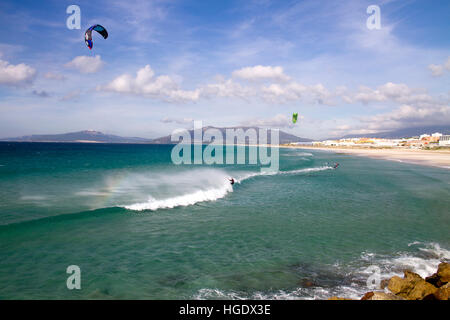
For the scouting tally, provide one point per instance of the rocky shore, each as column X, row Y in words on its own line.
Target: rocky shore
column 413, row 287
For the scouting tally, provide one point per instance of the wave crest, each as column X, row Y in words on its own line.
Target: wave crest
column 183, row 200
column 212, row 192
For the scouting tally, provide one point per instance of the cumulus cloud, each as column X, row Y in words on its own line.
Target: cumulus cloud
column 404, row 116
column 85, row 64
column 415, row 108
column 259, row 72
column 396, row 92
column 16, row 75
column 294, row 91
column 227, row 88
column 409, row 116
column 438, row 70
column 145, row 83
column 447, row 64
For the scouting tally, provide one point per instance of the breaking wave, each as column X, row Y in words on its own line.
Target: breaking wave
column 183, row 200
column 299, row 154
column 209, row 185
column 290, row 172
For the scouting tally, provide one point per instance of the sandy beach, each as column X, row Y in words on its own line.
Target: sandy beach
column 436, row 158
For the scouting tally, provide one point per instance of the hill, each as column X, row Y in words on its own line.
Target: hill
column 284, row 137
column 90, row 136
column 80, row 136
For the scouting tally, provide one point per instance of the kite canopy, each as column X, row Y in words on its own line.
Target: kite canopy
column 88, row 34
column 294, row 117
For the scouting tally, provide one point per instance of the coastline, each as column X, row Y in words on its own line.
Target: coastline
column 435, row 158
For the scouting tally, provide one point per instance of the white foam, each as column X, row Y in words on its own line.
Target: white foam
column 33, row 198
column 306, row 170
column 183, row 200
column 269, row 173
column 217, row 187
column 316, row 293
column 396, row 160
column 424, row 262
column 299, row 154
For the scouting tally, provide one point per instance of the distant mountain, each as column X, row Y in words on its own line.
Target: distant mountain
column 283, row 136
column 81, row 136
column 89, row 136
column 402, row 133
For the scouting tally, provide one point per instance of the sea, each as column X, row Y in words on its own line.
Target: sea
column 139, row 226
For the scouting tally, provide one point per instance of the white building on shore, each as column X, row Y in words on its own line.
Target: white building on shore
column 444, row 140
column 424, row 140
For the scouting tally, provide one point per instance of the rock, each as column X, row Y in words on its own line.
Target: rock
column 384, row 283
column 443, row 293
column 367, row 296
column 338, row 298
column 379, row 295
column 434, row 280
column 411, row 287
column 307, row 284
column 444, row 271
column 412, row 276
column 441, row 277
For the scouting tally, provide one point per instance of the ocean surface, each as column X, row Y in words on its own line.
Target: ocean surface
column 140, row 227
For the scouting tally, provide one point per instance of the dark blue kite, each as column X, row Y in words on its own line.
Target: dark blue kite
column 88, row 34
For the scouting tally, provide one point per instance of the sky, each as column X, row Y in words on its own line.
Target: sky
column 225, row 63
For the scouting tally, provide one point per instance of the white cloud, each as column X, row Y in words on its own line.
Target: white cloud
column 16, row 75
column 416, row 108
column 163, row 87
column 261, row 73
column 86, row 64
column 295, row 91
column 226, row 88
column 409, row 116
column 396, row 92
column 438, row 70
column 404, row 116
column 447, row 64
column 146, row 84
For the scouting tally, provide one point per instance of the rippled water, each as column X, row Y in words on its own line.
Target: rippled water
column 140, row 227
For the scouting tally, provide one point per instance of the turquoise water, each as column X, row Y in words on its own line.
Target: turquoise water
column 140, row 227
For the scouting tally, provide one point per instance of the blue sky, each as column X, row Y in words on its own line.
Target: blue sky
column 227, row 63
